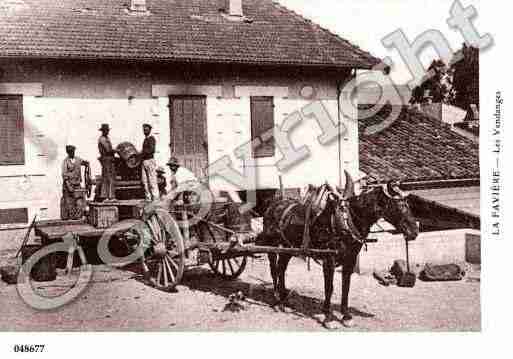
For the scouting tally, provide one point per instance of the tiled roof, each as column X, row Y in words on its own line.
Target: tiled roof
column 466, row 199
column 174, row 30
column 416, row 147
column 434, row 215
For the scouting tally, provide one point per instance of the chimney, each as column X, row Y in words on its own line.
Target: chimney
column 235, row 8
column 138, row 5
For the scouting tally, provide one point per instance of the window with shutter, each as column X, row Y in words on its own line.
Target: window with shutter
column 12, row 145
column 14, row 216
column 262, row 120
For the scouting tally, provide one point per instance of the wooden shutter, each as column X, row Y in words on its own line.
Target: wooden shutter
column 188, row 117
column 12, row 145
column 262, row 120
column 14, row 216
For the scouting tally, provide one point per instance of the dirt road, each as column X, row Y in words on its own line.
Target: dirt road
column 117, row 301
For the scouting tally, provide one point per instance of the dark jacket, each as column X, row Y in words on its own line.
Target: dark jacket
column 105, row 147
column 148, row 150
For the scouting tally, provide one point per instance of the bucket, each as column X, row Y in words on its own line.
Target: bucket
column 42, row 271
column 9, row 274
column 129, row 154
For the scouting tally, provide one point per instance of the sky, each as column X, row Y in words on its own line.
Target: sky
column 366, row 22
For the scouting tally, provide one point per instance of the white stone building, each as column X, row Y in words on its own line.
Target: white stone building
column 209, row 75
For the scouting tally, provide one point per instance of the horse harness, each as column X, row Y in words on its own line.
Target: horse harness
column 309, row 203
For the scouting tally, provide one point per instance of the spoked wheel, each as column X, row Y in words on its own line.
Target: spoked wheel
column 164, row 263
column 229, row 268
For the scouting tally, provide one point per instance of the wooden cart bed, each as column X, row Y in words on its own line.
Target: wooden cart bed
column 52, row 231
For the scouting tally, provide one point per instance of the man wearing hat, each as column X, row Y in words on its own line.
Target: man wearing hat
column 107, row 152
column 71, row 181
column 179, row 174
column 149, row 166
column 182, row 176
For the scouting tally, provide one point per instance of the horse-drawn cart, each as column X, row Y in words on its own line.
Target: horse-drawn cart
column 223, row 240
column 165, row 240
column 169, row 244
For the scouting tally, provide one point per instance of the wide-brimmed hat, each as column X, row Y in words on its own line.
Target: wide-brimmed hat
column 173, row 161
column 104, row 127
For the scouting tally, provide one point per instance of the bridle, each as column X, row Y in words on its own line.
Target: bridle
column 342, row 206
column 399, row 198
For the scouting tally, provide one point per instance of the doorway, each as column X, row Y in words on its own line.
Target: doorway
column 189, row 136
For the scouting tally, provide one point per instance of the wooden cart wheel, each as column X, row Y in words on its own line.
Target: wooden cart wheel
column 229, row 268
column 226, row 268
column 164, row 263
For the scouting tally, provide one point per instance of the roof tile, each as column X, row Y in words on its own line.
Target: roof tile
column 175, row 30
column 416, row 147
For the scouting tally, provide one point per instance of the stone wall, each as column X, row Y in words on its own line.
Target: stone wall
column 77, row 97
column 456, row 246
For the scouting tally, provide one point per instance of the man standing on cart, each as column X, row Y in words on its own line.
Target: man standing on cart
column 149, row 166
column 107, row 152
column 71, row 181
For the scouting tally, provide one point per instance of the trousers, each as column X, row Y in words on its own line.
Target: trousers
column 72, row 204
column 149, row 180
column 108, row 189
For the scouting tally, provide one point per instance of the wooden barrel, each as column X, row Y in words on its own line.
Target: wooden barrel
column 129, row 154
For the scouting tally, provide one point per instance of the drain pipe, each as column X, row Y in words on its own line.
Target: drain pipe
column 339, row 107
column 339, row 113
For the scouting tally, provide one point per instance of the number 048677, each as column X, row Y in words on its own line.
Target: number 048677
column 29, row 348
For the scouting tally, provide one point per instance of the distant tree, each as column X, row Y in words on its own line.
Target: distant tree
column 466, row 77
column 437, row 85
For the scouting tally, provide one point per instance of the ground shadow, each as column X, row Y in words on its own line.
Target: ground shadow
column 259, row 293
column 200, row 279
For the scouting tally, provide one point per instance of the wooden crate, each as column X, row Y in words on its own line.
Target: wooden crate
column 103, row 215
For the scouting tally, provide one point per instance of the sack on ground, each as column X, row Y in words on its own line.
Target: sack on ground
column 385, row 278
column 398, row 268
column 442, row 273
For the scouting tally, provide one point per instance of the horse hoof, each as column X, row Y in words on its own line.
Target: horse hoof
column 348, row 323
column 330, row 322
column 333, row 325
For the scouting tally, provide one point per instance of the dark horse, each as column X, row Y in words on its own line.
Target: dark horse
column 337, row 222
